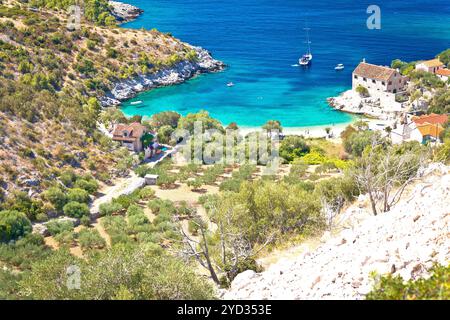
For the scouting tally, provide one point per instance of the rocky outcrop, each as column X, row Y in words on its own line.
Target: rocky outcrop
column 405, row 241
column 181, row 72
column 124, row 12
column 382, row 106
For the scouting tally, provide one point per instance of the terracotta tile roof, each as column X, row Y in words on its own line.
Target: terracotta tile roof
column 443, row 72
column 433, row 130
column 372, row 71
column 432, row 63
column 431, row 119
column 134, row 132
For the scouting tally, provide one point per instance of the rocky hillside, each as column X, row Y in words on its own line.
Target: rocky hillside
column 405, row 241
column 52, row 80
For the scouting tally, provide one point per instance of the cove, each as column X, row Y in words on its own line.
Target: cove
column 260, row 40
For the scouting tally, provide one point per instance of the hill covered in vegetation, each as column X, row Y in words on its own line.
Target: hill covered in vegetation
column 201, row 225
column 51, row 80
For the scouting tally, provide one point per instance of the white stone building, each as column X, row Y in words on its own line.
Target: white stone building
column 430, row 66
column 443, row 74
column 378, row 79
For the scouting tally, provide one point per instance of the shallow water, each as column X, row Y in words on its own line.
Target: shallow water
column 261, row 40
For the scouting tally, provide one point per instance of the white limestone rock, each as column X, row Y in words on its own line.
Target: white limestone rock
column 405, row 241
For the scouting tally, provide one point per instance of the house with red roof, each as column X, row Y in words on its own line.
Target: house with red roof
column 130, row 135
column 431, row 66
column 378, row 78
column 422, row 129
column 443, row 74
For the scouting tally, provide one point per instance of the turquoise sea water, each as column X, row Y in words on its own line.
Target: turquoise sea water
column 260, row 40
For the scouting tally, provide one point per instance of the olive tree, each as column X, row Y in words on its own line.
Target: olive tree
column 121, row 273
column 385, row 171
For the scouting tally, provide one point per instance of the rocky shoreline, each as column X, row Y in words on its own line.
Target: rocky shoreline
column 381, row 107
column 182, row 71
column 124, row 12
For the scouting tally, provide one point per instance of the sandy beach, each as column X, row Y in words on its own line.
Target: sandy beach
column 320, row 131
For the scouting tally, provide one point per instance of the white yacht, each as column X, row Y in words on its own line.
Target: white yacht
column 306, row 59
column 339, row 67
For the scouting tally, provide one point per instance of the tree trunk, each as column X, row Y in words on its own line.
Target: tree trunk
column 208, row 259
column 373, row 204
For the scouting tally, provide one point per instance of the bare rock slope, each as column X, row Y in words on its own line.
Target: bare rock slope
column 405, row 241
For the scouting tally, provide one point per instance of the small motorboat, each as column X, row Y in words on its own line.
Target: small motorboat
column 339, row 67
column 230, row 84
column 136, row 102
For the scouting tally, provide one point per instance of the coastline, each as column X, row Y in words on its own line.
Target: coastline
column 307, row 132
column 181, row 72
column 381, row 106
column 319, row 131
column 124, row 12
column 126, row 89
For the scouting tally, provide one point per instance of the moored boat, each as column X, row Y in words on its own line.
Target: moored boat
column 306, row 59
column 339, row 67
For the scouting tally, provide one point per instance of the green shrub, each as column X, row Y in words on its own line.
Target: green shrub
column 90, row 186
column 41, row 217
column 55, row 227
column 293, row 147
column 13, row 225
column 233, row 184
column 68, row 177
column 65, row 238
column 85, row 221
column 159, row 206
column 56, row 197
column 20, row 201
column 23, row 252
column 313, row 158
column 91, row 239
column 146, row 193
column 116, row 227
column 358, row 141
column 184, row 209
column 110, row 208
column 127, row 200
column 78, row 195
column 196, row 183
column 134, row 210
column 435, row 287
column 145, row 237
column 193, row 228
column 76, row 210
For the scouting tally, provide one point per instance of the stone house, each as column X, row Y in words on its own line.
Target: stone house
column 129, row 135
column 443, row 74
column 430, row 65
column 422, row 129
column 378, row 79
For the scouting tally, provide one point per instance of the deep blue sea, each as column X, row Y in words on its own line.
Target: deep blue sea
column 260, row 40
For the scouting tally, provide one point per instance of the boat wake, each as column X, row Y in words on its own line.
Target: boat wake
column 295, row 65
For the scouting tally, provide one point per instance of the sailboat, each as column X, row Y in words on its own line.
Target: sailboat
column 306, row 59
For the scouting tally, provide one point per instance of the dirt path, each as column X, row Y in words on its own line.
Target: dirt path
column 184, row 193
column 120, row 186
column 98, row 225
